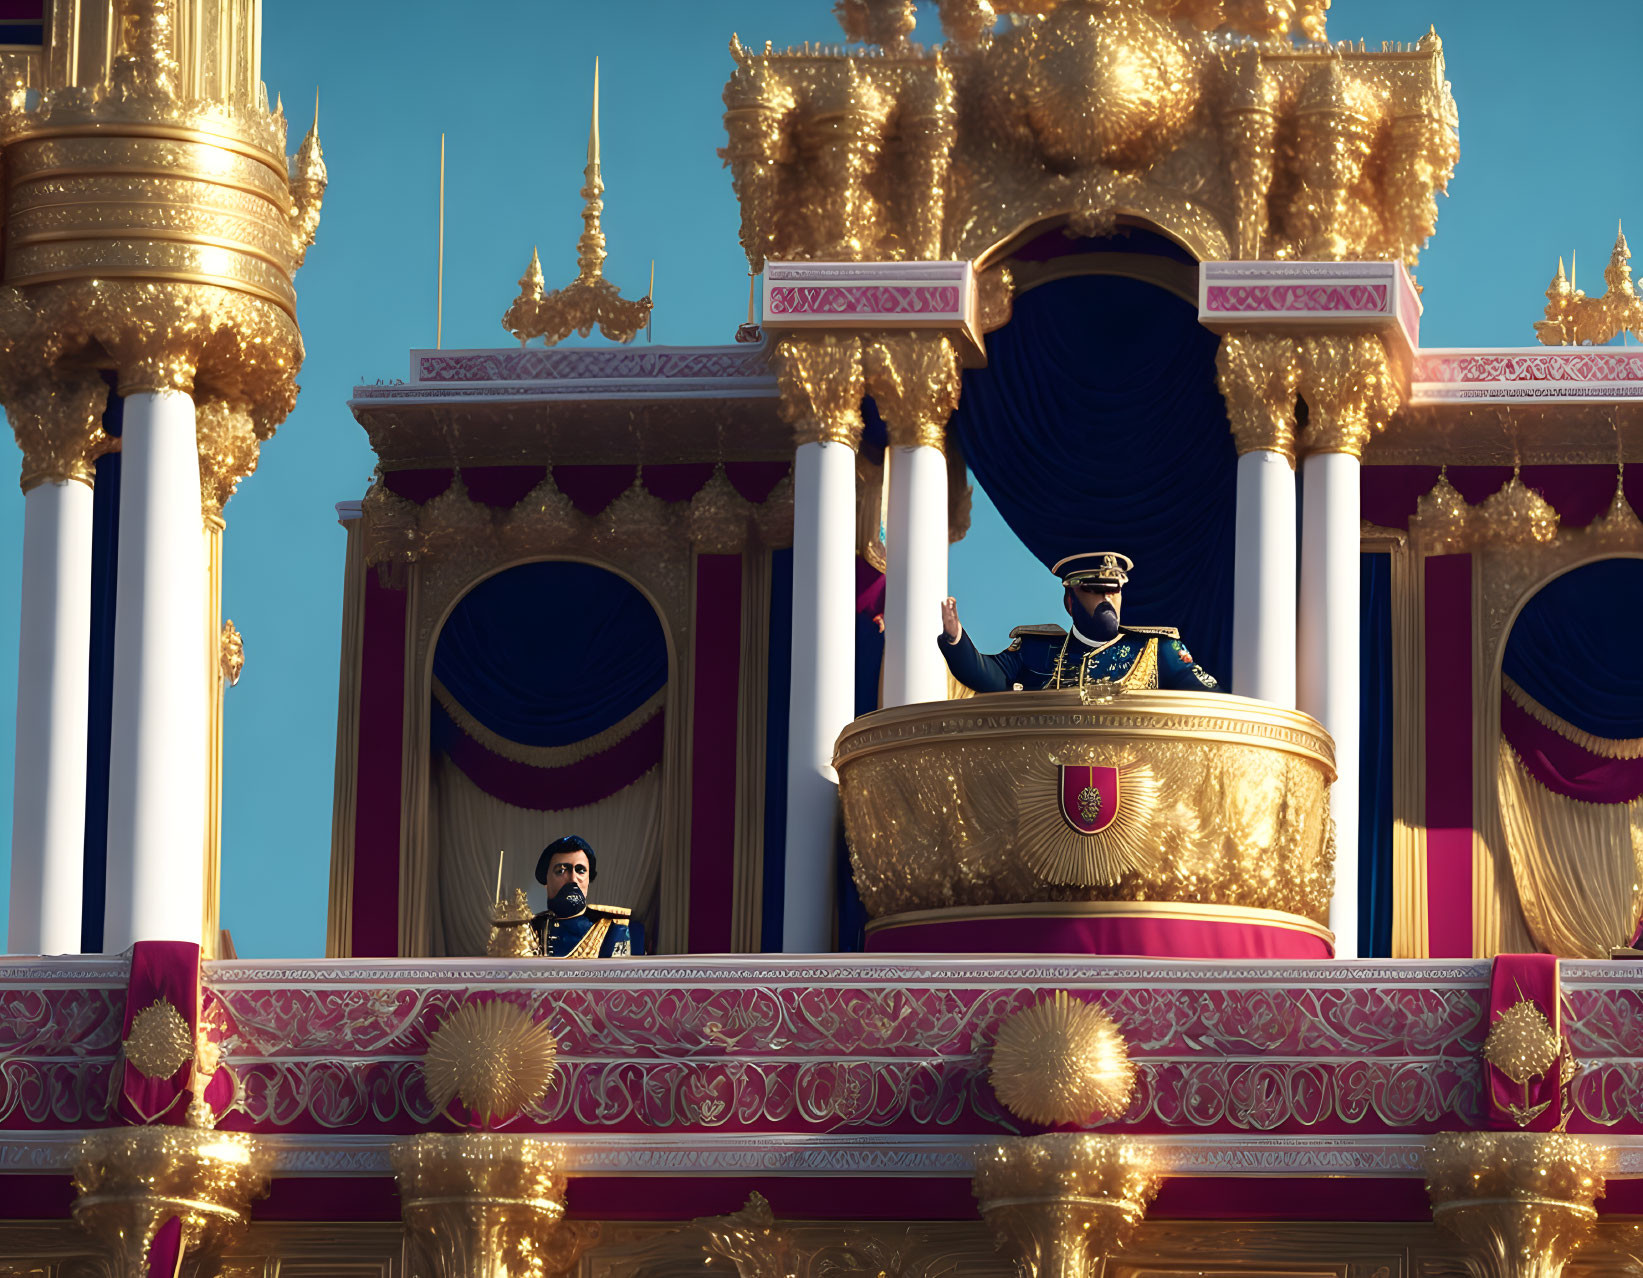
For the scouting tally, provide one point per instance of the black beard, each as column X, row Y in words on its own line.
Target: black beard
column 568, row 902
column 1098, row 626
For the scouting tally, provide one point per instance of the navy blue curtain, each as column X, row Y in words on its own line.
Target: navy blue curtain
column 105, row 575
column 779, row 689
column 1571, row 648
column 1097, row 425
column 548, row 654
column 1375, row 759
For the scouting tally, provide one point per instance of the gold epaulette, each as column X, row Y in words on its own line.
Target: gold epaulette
column 1049, row 630
column 1152, row 632
column 615, row 911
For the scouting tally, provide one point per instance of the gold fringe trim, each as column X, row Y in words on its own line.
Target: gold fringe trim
column 547, row 756
column 1606, row 747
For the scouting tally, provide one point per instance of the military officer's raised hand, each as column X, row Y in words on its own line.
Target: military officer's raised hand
column 950, row 627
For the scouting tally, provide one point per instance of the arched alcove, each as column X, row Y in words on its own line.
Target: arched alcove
column 547, row 718
column 1570, row 766
column 1097, row 424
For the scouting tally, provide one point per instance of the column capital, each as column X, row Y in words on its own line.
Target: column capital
column 1520, row 1201
column 229, row 438
column 819, row 378
column 1064, row 1201
column 1351, row 389
column 1259, row 375
column 58, row 421
column 914, row 379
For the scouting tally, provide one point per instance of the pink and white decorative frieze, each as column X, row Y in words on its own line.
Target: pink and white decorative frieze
column 671, row 364
column 1556, row 374
column 1369, row 295
column 871, row 295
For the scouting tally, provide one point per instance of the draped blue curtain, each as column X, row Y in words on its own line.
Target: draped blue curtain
column 1571, row 648
column 548, row 654
column 1375, row 759
column 1097, row 425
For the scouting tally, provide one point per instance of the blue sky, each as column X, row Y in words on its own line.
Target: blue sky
column 1548, row 162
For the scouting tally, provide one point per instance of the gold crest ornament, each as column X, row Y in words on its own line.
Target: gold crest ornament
column 1088, row 825
column 1522, row 1045
column 492, row 1057
column 1062, row 1061
column 160, row 1042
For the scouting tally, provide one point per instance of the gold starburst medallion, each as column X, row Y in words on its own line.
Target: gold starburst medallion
column 160, row 1043
column 492, row 1057
column 1062, row 1061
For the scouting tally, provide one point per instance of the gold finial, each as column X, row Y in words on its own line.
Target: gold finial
column 589, row 300
column 1573, row 319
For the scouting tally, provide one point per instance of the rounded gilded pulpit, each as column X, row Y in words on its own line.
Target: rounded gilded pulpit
column 1171, row 824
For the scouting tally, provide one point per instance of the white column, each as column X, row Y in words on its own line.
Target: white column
column 1263, row 598
column 915, row 582
column 823, row 685
column 1327, row 680
column 48, row 823
column 156, row 791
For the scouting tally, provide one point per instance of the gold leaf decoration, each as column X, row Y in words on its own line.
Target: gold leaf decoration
column 1128, row 843
column 160, row 1042
column 492, row 1056
column 1062, row 1061
column 1521, row 1044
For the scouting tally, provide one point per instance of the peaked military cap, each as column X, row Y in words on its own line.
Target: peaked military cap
column 563, row 847
column 1103, row 569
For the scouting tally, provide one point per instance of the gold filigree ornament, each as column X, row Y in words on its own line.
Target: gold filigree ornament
column 1522, row 1045
column 492, row 1057
column 1127, row 843
column 160, row 1043
column 1062, row 1061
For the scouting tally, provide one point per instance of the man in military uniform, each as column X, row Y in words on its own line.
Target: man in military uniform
column 570, row 927
column 1098, row 654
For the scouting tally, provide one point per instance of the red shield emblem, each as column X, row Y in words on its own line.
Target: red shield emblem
column 1089, row 797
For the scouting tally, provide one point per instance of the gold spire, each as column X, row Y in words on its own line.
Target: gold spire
column 1573, row 319
column 589, row 300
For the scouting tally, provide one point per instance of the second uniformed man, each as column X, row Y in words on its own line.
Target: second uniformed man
column 1097, row 651
column 570, row 927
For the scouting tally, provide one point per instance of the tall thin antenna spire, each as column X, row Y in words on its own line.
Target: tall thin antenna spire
column 650, row 296
column 593, row 124
column 439, row 302
column 590, row 248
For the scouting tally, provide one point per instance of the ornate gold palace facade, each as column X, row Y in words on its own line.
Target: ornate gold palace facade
column 1328, row 972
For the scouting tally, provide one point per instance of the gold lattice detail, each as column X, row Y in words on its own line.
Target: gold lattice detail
column 1058, row 853
column 491, row 1056
column 160, row 1042
column 1062, row 1061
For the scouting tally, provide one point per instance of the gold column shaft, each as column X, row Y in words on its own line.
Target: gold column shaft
column 211, row 922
